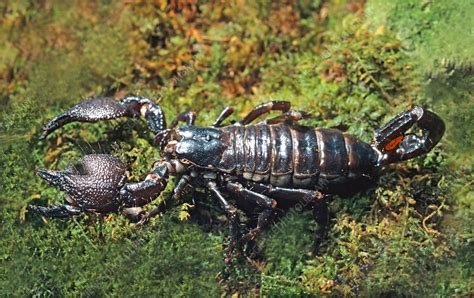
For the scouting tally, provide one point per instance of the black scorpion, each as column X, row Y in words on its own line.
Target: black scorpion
column 271, row 162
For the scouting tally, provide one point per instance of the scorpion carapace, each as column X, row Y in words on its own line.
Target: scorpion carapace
column 265, row 163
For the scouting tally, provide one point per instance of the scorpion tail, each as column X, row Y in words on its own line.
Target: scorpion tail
column 393, row 142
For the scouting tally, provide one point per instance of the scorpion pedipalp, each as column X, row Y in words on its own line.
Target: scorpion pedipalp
column 106, row 108
column 92, row 184
column 393, row 142
column 98, row 184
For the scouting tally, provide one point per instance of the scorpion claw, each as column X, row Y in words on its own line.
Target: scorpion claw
column 395, row 145
column 51, row 177
column 92, row 184
column 62, row 211
column 90, row 110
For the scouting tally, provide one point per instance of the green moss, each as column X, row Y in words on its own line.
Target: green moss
column 436, row 32
column 70, row 258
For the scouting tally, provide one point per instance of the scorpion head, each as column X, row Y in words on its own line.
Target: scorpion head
column 394, row 144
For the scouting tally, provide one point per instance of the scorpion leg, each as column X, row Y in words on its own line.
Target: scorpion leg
column 280, row 193
column 305, row 197
column 293, row 115
column 234, row 221
column 189, row 117
column 264, row 218
column 106, row 108
column 264, row 108
column 321, row 216
column 223, row 115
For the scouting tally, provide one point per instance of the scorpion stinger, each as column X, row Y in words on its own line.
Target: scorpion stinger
column 394, row 145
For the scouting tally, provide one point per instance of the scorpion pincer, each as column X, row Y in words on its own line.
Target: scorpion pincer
column 270, row 162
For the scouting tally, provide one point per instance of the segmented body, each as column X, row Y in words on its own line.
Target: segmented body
column 262, row 166
column 281, row 155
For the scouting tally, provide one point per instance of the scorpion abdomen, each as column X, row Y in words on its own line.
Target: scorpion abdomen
column 295, row 156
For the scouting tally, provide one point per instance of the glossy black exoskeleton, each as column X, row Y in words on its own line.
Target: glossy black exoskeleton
column 267, row 163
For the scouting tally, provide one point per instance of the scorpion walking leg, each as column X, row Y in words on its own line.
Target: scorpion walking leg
column 264, row 108
column 234, row 221
column 321, row 216
column 189, row 117
column 223, row 115
column 293, row 115
column 106, row 108
column 305, row 196
column 264, row 218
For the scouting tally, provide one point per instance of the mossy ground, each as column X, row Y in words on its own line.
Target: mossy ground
column 352, row 64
